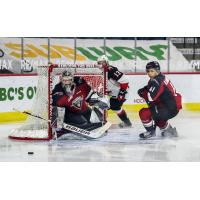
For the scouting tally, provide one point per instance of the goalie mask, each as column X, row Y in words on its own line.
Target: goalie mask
column 67, row 80
column 102, row 61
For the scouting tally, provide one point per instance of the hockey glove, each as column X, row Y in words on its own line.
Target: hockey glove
column 142, row 92
column 121, row 95
column 101, row 102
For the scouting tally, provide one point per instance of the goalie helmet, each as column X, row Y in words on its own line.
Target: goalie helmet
column 67, row 79
column 102, row 61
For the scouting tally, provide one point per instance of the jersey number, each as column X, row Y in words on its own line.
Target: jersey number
column 117, row 74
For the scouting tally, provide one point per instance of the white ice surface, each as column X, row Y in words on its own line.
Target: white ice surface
column 118, row 145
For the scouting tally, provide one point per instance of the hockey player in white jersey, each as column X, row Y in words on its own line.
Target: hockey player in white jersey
column 118, row 86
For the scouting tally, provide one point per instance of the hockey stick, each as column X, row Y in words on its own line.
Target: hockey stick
column 94, row 134
column 28, row 113
column 36, row 116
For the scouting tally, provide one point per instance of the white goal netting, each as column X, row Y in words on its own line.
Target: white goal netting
column 35, row 128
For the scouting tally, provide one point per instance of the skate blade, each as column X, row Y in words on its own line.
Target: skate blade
column 170, row 135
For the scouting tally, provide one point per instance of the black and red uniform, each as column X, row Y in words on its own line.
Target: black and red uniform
column 74, row 102
column 163, row 102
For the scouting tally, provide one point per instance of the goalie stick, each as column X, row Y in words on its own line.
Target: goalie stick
column 94, row 134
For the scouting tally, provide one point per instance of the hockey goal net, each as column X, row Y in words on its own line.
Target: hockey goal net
column 35, row 128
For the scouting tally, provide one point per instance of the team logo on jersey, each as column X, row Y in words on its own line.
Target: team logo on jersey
column 77, row 102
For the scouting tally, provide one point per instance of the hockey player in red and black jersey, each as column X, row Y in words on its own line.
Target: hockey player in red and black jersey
column 163, row 103
column 118, row 86
column 74, row 95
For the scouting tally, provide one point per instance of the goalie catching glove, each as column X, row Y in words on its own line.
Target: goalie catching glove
column 100, row 102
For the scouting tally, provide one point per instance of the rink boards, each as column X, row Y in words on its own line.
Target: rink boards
column 18, row 91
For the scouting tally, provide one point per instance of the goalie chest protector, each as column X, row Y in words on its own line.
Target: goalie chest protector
column 76, row 102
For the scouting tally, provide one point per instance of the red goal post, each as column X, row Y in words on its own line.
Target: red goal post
column 48, row 76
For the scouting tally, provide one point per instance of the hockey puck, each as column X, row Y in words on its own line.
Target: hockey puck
column 30, row 153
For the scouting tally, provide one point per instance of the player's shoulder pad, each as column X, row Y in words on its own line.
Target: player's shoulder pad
column 157, row 80
column 79, row 80
column 58, row 89
column 154, row 82
column 58, row 86
column 114, row 73
column 112, row 68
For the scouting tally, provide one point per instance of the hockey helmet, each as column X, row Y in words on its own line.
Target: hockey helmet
column 153, row 65
column 102, row 58
column 67, row 78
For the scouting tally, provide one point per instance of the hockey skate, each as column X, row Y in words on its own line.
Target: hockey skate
column 147, row 134
column 169, row 132
column 125, row 124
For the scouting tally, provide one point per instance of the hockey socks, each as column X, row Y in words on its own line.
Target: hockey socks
column 123, row 116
